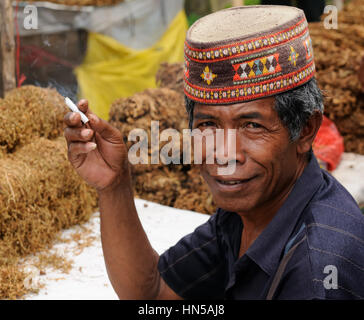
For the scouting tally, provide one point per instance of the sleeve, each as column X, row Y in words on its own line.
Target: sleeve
column 195, row 267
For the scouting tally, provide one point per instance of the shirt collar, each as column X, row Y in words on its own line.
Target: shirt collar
column 267, row 249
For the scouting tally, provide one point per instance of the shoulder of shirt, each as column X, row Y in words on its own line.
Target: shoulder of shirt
column 334, row 207
column 334, row 230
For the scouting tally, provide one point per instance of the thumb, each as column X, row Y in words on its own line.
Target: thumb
column 104, row 129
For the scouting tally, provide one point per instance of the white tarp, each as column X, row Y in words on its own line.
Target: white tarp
column 137, row 24
column 88, row 278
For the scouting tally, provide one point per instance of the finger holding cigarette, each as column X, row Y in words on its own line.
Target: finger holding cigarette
column 95, row 148
column 77, row 148
column 78, row 134
column 75, row 109
column 81, row 114
column 83, row 106
column 78, row 128
column 98, row 126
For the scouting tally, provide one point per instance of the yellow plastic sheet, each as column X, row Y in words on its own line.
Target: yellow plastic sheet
column 111, row 70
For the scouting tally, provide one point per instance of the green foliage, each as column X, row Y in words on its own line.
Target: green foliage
column 251, row 2
column 192, row 18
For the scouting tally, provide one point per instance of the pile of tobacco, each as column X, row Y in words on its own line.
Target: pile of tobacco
column 175, row 185
column 338, row 53
column 40, row 192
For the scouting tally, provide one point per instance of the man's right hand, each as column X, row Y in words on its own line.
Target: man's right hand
column 98, row 153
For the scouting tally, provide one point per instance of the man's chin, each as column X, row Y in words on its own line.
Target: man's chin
column 234, row 206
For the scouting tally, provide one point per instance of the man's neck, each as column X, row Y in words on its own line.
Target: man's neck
column 255, row 221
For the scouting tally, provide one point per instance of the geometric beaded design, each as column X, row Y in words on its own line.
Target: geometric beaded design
column 246, row 92
column 308, row 46
column 256, row 69
column 293, row 56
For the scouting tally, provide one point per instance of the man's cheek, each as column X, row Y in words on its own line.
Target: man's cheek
column 263, row 151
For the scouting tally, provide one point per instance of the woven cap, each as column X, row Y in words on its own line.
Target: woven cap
column 246, row 53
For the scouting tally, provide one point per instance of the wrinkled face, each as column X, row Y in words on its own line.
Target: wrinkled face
column 266, row 159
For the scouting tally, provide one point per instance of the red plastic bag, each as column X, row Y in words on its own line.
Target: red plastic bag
column 328, row 145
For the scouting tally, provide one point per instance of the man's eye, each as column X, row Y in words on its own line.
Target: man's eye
column 253, row 125
column 206, row 124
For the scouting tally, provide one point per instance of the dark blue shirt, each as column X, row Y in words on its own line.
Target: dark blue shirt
column 319, row 219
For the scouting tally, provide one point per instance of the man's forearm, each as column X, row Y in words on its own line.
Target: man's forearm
column 130, row 260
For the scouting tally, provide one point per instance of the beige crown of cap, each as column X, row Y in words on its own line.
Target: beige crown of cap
column 245, row 53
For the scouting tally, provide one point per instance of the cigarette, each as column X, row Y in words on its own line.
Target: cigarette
column 74, row 108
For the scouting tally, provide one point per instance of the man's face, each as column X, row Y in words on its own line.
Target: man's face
column 266, row 159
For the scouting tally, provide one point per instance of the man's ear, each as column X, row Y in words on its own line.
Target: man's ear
column 309, row 132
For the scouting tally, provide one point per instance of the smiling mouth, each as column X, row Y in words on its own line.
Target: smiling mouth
column 233, row 182
column 230, row 183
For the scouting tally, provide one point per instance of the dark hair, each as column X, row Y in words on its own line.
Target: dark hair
column 293, row 107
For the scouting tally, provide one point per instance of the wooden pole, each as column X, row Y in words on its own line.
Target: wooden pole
column 7, row 45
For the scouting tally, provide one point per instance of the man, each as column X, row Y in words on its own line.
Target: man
column 284, row 229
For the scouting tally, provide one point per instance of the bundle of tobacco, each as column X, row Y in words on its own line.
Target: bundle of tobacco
column 175, row 185
column 27, row 113
column 338, row 55
column 195, row 194
column 170, row 75
column 40, row 194
column 137, row 112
